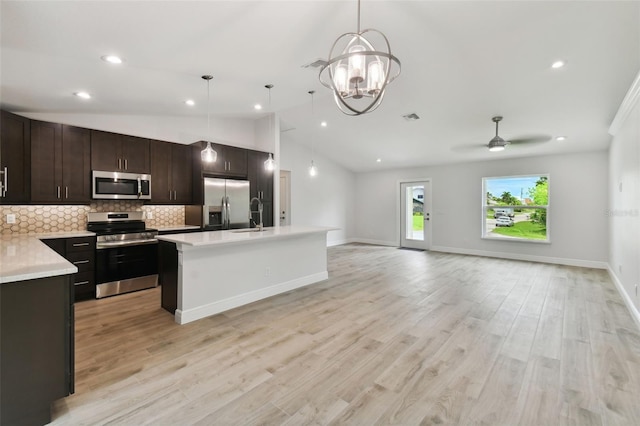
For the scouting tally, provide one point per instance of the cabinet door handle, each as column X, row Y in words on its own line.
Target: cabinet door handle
column 126, row 164
column 81, row 283
column 3, row 184
column 58, row 192
column 175, row 195
column 80, row 244
column 66, row 192
column 80, row 262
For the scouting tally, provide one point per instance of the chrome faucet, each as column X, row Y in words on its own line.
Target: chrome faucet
column 260, row 210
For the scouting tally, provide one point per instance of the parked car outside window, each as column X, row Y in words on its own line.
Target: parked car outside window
column 504, row 221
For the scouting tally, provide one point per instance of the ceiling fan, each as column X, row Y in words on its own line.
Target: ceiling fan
column 499, row 144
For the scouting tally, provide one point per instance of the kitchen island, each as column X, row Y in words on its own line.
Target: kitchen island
column 206, row 273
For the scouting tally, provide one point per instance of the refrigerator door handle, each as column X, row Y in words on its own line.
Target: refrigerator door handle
column 228, row 213
column 224, row 213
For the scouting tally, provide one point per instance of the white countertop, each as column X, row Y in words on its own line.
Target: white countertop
column 176, row 228
column 63, row 234
column 201, row 239
column 25, row 257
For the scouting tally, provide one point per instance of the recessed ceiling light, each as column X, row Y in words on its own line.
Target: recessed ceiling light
column 561, row 138
column 112, row 59
column 323, row 124
column 190, row 102
column 379, row 160
column 257, row 107
column 557, row 64
column 83, row 95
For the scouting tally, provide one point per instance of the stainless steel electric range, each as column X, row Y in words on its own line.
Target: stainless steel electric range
column 126, row 253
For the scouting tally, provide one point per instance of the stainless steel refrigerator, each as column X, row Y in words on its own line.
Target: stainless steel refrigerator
column 226, row 204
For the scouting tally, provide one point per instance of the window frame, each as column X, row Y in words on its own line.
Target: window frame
column 485, row 207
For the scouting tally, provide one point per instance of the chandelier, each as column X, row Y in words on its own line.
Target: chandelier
column 359, row 74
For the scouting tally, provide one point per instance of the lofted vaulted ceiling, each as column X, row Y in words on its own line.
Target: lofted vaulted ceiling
column 462, row 63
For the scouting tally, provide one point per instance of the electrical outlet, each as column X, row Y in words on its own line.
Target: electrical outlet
column 620, row 268
column 149, row 215
column 636, row 290
column 620, row 187
column 267, row 272
column 11, row 218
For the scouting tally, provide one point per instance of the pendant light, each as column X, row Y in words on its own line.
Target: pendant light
column 208, row 155
column 313, row 170
column 357, row 72
column 269, row 163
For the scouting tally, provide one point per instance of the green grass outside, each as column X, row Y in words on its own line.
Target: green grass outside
column 526, row 229
column 418, row 222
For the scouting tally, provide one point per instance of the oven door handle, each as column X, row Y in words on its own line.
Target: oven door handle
column 139, row 187
column 116, row 244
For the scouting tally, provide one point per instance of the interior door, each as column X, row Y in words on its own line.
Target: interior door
column 415, row 215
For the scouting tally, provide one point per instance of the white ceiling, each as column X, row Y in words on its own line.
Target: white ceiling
column 462, row 63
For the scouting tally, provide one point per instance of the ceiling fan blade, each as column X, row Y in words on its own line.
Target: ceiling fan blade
column 530, row 139
column 469, row 148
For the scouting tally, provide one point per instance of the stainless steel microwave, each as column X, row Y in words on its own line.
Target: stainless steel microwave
column 120, row 186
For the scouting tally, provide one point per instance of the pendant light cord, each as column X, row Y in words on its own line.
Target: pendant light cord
column 358, row 16
column 311, row 92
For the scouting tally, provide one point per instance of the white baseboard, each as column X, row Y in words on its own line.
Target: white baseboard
column 635, row 314
column 527, row 257
column 339, row 242
column 374, row 242
column 189, row 315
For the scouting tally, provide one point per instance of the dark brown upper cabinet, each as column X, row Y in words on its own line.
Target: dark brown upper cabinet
column 171, row 173
column 15, row 158
column 60, row 163
column 231, row 161
column 113, row 152
column 260, row 179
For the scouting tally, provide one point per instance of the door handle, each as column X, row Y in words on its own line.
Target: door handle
column 80, row 262
column 66, row 192
column 175, row 194
column 58, row 192
column 81, row 283
column 126, row 164
column 80, row 244
column 119, row 163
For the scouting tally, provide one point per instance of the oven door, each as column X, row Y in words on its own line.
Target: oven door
column 120, row 186
column 126, row 268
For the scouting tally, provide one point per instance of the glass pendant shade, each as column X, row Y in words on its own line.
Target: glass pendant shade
column 208, row 155
column 270, row 163
column 357, row 72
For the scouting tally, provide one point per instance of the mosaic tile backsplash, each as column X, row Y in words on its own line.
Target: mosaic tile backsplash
column 45, row 218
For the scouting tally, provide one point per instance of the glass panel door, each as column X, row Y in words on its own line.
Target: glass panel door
column 415, row 215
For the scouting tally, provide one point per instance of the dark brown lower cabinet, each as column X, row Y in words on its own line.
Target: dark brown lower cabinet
column 36, row 347
column 168, row 275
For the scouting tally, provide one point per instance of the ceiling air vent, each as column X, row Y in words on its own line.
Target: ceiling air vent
column 318, row 63
column 411, row 117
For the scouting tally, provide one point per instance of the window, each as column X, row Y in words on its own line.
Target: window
column 515, row 208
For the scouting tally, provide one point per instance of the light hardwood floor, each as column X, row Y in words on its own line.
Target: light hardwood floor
column 393, row 337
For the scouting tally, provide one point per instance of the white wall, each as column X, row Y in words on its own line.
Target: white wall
column 185, row 130
column 578, row 199
column 624, row 200
column 325, row 200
